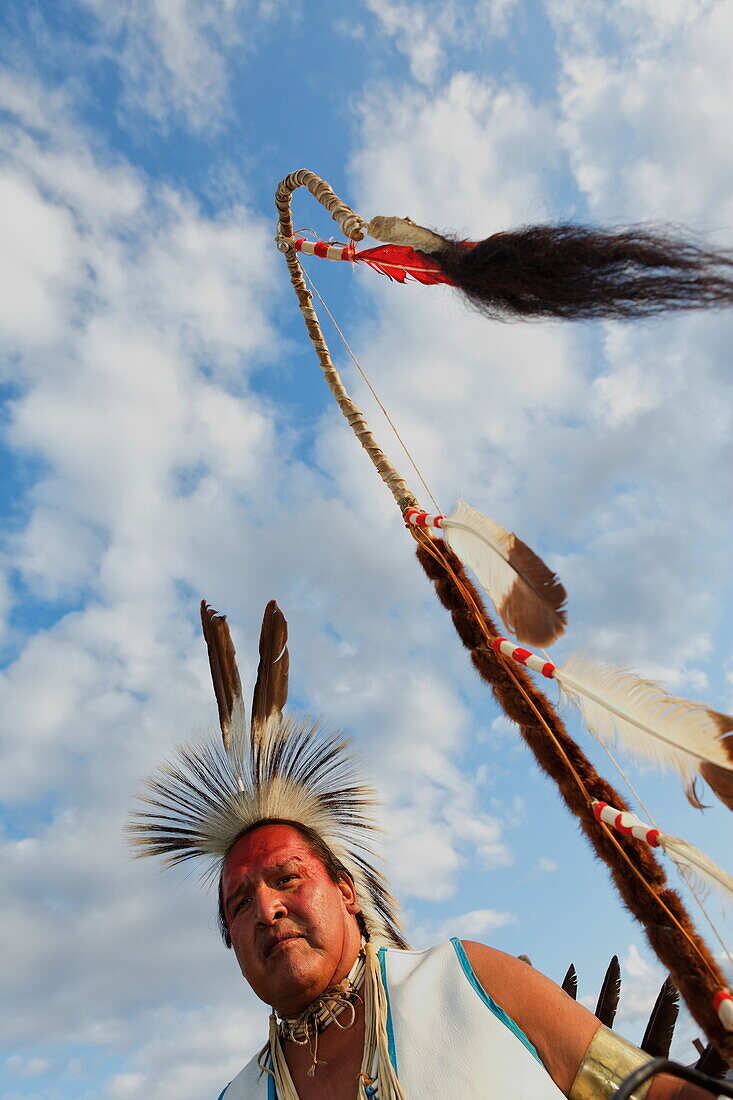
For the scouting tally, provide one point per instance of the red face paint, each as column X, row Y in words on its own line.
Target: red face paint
column 292, row 928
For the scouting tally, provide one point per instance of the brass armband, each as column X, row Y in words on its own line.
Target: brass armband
column 607, row 1062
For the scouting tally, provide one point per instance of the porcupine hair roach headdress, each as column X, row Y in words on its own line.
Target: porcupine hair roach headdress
column 277, row 768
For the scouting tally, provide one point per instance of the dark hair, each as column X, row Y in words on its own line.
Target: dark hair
column 574, row 272
column 334, row 867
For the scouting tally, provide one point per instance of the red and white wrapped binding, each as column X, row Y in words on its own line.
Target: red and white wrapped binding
column 626, row 823
column 323, row 249
column 723, row 1005
column 419, row 518
column 524, row 656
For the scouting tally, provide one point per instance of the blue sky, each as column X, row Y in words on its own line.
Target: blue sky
column 166, row 435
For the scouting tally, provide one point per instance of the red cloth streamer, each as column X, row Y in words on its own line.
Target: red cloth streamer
column 397, row 262
column 400, row 262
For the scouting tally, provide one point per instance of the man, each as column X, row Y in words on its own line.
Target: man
column 314, row 929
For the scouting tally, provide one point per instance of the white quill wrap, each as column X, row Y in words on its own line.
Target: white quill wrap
column 526, row 593
column 704, row 872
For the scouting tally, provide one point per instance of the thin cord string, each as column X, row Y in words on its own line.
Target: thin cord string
column 685, row 874
column 373, row 392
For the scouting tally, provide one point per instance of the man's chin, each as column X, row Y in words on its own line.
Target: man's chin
column 296, row 973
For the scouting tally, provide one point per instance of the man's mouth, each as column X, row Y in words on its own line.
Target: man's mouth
column 279, row 944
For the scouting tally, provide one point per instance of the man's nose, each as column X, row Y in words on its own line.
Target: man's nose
column 270, row 906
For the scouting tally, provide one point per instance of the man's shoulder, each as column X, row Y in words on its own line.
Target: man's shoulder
column 251, row 1083
column 442, row 961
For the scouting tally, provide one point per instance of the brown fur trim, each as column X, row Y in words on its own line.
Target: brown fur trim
column 696, row 982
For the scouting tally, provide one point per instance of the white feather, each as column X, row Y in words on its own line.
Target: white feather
column 641, row 716
column 705, row 872
column 484, row 546
column 527, row 595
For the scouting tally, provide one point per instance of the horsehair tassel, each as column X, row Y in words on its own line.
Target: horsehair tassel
column 685, row 855
column 527, row 595
column 675, row 942
column 573, row 272
column 644, row 718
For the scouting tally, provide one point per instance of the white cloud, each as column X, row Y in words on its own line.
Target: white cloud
column 427, row 32
column 26, row 1067
column 477, row 924
column 39, row 264
column 175, row 55
column 420, row 33
column 641, row 119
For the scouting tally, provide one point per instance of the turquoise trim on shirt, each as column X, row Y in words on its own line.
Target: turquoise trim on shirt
column 489, row 1002
column 390, row 1029
column 223, row 1091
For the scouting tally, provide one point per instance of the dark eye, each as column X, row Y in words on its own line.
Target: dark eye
column 240, row 905
column 286, row 878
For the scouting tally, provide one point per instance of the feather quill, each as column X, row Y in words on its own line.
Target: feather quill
column 224, row 671
column 610, row 992
column 711, row 1062
column 528, row 596
column 271, row 687
column 706, row 874
column 570, row 983
column 660, row 1029
column 643, row 718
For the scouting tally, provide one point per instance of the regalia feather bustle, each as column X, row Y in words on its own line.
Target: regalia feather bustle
column 281, row 768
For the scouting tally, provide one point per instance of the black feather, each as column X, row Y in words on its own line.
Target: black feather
column 660, row 1029
column 712, row 1063
column 570, row 983
column 610, row 993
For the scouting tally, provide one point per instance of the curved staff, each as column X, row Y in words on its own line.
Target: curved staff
column 639, row 878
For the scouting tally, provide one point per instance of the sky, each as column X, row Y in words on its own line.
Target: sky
column 166, row 435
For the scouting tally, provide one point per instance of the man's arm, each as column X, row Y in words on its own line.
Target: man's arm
column 559, row 1028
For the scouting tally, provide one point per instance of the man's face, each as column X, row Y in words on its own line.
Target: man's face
column 293, row 929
